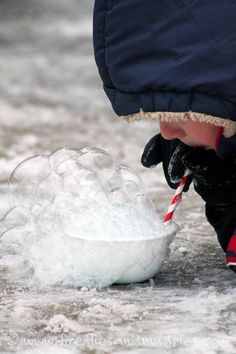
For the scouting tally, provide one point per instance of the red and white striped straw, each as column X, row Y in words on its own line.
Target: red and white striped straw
column 177, row 197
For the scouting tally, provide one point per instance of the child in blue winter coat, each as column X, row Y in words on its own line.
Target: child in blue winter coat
column 175, row 62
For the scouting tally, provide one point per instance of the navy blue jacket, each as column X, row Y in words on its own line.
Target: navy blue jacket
column 172, row 56
column 167, row 55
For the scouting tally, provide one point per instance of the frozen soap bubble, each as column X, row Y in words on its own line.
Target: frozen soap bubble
column 79, row 218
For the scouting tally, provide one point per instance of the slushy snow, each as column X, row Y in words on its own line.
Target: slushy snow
column 79, row 218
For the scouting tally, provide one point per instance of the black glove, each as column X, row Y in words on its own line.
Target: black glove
column 214, row 178
column 170, row 153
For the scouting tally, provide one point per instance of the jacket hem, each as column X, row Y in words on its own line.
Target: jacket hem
column 228, row 125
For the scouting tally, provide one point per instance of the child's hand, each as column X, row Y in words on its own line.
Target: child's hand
column 214, row 178
column 170, row 153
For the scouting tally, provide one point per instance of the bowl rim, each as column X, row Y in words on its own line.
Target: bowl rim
column 168, row 234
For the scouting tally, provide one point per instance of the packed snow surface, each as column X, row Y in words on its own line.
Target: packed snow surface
column 79, row 218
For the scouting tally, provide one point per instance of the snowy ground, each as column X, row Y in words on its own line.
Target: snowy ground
column 51, row 97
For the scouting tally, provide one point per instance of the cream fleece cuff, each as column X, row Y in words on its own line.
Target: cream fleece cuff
column 229, row 125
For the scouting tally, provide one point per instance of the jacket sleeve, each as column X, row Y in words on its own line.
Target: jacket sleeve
column 224, row 222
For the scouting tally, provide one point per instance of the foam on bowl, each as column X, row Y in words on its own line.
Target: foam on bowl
column 79, row 218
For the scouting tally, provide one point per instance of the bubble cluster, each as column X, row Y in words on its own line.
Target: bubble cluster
column 66, row 209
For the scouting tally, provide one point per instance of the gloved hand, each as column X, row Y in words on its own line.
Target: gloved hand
column 214, row 178
column 170, row 153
